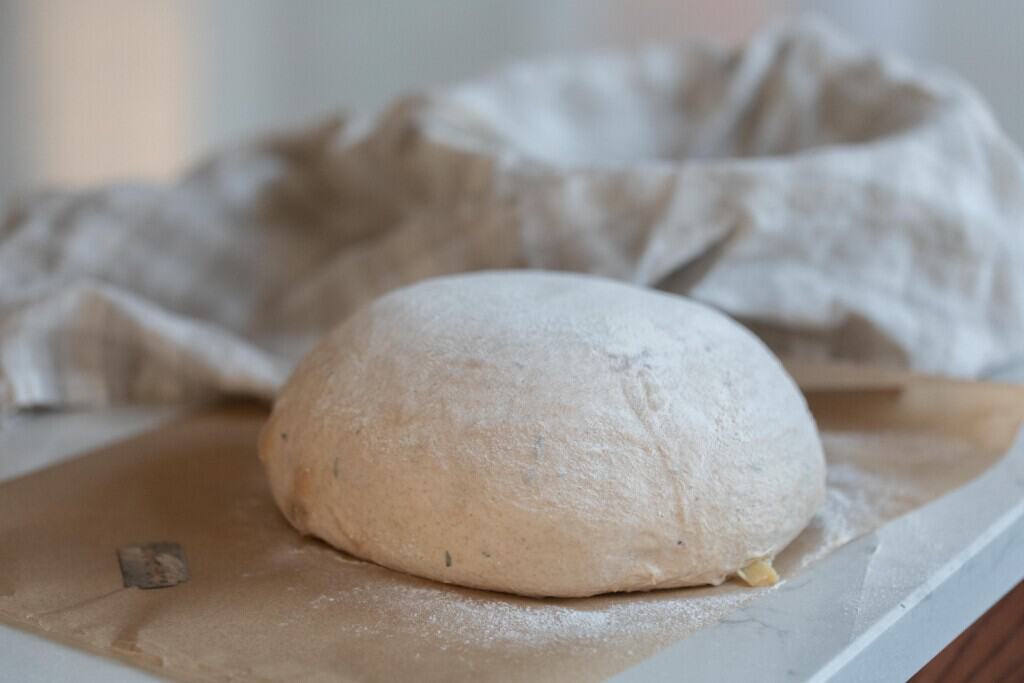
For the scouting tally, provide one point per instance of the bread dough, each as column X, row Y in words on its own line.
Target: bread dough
column 545, row 434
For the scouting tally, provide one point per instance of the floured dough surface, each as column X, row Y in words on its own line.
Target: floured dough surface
column 545, row 434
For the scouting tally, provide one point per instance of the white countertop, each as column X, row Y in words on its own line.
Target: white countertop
column 877, row 609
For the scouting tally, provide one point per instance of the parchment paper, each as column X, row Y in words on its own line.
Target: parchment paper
column 265, row 604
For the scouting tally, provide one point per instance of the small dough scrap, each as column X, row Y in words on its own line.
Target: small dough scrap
column 759, row 573
column 545, row 434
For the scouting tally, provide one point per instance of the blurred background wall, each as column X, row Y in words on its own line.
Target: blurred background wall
column 98, row 91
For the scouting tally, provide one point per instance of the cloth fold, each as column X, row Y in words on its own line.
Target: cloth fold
column 841, row 203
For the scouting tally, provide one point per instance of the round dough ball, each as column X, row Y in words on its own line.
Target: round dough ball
column 545, row 434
